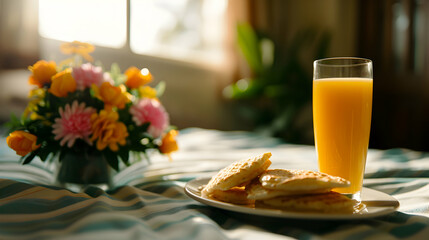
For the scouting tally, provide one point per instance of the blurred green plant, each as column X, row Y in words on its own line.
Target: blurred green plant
column 280, row 86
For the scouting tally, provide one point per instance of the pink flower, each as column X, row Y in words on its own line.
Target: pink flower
column 75, row 123
column 150, row 110
column 88, row 74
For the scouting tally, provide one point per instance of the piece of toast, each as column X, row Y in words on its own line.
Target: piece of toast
column 300, row 180
column 238, row 173
column 325, row 202
column 235, row 195
column 255, row 191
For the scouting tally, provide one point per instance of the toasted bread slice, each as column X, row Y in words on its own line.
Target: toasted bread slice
column 255, row 191
column 300, row 180
column 235, row 195
column 238, row 173
column 325, row 202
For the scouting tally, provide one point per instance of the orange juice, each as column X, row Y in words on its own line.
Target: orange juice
column 342, row 118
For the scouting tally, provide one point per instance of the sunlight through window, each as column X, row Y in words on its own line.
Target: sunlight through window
column 100, row 22
column 176, row 29
column 179, row 28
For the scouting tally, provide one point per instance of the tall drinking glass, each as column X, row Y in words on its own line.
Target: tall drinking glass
column 342, row 105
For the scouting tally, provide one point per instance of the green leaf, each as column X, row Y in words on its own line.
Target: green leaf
column 160, row 88
column 267, row 52
column 139, row 147
column 112, row 159
column 43, row 153
column 115, row 73
column 27, row 159
column 247, row 89
column 115, row 69
column 14, row 123
column 248, row 43
column 124, row 155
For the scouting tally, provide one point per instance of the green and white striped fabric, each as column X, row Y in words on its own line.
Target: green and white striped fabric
column 149, row 201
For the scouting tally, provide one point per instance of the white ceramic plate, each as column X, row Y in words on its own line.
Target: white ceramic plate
column 377, row 204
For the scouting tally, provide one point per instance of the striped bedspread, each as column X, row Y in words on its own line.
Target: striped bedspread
column 149, row 202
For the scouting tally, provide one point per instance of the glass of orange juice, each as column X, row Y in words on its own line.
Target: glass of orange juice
column 342, row 105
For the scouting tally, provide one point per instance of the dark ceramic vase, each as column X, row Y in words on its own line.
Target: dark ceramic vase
column 79, row 169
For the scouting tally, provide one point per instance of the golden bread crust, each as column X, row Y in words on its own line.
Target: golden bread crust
column 326, row 202
column 300, row 180
column 235, row 195
column 238, row 173
column 250, row 182
column 256, row 191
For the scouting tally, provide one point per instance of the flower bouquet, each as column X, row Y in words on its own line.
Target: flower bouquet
column 90, row 119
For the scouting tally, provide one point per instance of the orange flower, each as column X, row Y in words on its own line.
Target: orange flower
column 137, row 77
column 108, row 131
column 112, row 96
column 80, row 48
column 169, row 143
column 22, row 142
column 63, row 83
column 42, row 71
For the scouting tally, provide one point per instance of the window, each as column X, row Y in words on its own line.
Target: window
column 188, row 30
column 101, row 22
column 177, row 28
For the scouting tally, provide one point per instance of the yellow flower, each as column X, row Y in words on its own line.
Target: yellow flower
column 63, row 83
column 42, row 71
column 38, row 93
column 22, row 142
column 169, row 143
column 137, row 77
column 147, row 92
column 80, row 48
column 112, row 96
column 36, row 96
column 108, row 131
